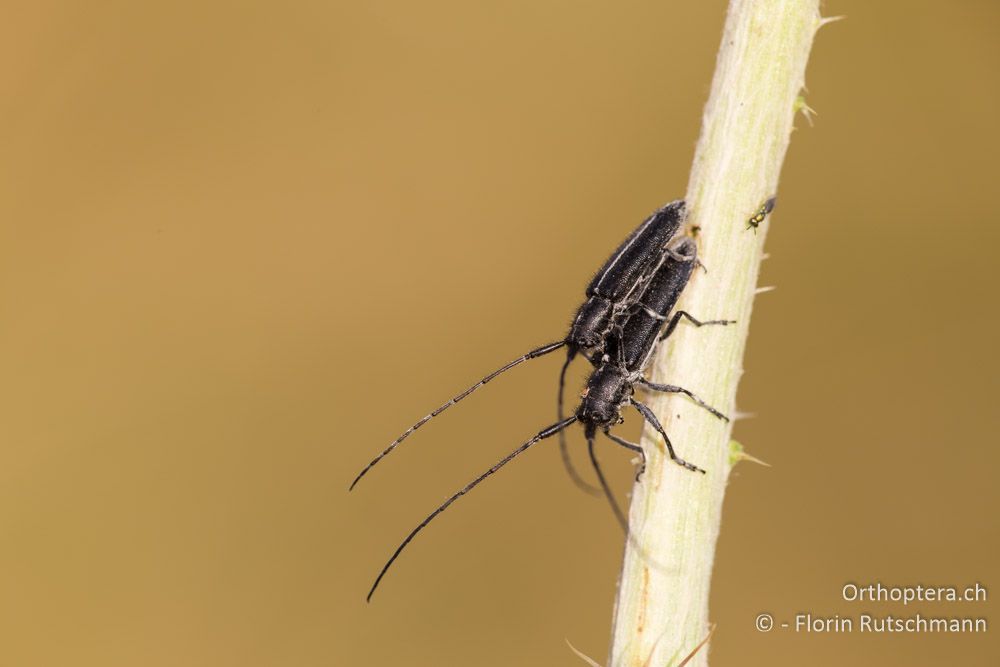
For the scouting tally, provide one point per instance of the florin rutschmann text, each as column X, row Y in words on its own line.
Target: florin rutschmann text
column 875, row 594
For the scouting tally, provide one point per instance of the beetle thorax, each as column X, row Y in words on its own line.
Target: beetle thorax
column 608, row 389
column 592, row 323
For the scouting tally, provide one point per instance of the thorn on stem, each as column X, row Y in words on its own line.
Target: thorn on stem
column 825, row 20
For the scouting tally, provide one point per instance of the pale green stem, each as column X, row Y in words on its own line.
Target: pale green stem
column 661, row 613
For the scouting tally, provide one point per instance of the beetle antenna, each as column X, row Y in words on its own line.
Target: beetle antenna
column 604, row 484
column 538, row 352
column 563, row 449
column 541, row 435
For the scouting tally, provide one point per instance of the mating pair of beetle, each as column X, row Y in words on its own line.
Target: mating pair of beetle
column 616, row 329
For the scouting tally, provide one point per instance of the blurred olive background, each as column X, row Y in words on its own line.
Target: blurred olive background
column 245, row 244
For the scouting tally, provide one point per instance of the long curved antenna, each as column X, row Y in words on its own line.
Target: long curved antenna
column 619, row 514
column 563, row 449
column 538, row 352
column 622, row 521
column 541, row 435
column 648, row 415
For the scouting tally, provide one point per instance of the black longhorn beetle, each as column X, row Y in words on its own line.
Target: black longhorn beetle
column 612, row 290
column 624, row 337
column 629, row 349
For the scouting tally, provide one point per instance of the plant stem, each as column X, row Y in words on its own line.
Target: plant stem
column 662, row 608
